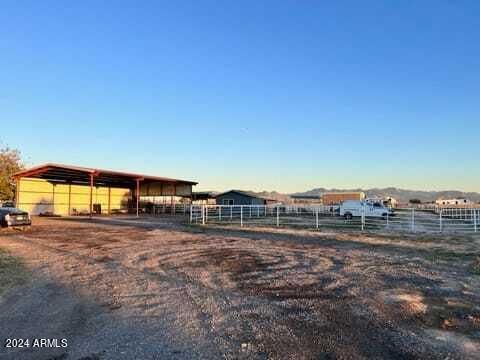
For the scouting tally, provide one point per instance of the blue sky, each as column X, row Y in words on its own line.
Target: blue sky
column 275, row 95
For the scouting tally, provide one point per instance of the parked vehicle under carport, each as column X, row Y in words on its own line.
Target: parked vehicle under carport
column 13, row 217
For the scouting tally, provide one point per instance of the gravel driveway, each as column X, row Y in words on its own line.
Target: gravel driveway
column 157, row 288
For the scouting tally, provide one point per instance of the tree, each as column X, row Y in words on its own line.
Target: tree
column 10, row 163
column 415, row 201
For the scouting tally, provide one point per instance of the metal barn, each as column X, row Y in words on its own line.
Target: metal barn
column 73, row 190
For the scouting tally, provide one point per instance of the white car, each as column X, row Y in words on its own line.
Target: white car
column 352, row 208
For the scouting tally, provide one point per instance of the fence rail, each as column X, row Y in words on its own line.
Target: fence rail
column 446, row 220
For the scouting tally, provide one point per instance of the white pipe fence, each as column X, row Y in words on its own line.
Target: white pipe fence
column 446, row 220
column 172, row 208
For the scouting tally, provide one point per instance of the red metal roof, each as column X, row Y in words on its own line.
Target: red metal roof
column 63, row 172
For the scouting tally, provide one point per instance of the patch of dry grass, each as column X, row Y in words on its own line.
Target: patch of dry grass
column 475, row 268
column 12, row 272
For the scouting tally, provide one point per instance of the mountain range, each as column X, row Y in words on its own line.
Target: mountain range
column 402, row 195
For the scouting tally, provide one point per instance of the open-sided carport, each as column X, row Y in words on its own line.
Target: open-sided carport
column 39, row 186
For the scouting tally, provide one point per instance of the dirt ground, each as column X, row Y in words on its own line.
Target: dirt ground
column 124, row 288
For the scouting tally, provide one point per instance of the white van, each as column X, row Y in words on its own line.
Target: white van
column 352, row 208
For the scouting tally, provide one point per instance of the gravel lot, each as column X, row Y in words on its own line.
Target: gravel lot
column 123, row 288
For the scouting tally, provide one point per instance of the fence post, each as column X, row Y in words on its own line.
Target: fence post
column 388, row 223
column 203, row 214
column 441, row 220
column 265, row 210
column 316, row 218
column 220, row 213
column 363, row 217
column 413, row 219
column 278, row 217
column 475, row 220
column 191, row 214
column 241, row 215
column 231, row 212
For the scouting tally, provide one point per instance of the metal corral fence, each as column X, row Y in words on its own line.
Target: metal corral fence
column 161, row 209
column 465, row 220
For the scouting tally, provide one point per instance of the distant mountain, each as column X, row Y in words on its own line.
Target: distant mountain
column 403, row 195
column 274, row 196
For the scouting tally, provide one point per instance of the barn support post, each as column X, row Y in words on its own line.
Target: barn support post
column 109, row 203
column 69, row 199
column 17, row 192
column 137, row 195
column 174, row 199
column 91, row 195
column 53, row 198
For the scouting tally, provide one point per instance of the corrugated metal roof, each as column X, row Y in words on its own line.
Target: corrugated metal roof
column 306, row 196
column 54, row 171
column 246, row 193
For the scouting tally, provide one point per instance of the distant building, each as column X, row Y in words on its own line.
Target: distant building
column 454, row 202
column 239, row 197
column 306, row 199
column 335, row 198
column 204, row 197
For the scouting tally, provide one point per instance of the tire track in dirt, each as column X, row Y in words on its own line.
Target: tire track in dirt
column 133, row 292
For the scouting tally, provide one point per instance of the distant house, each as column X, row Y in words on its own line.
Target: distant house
column 239, row 197
column 455, row 202
column 306, row 199
column 335, row 198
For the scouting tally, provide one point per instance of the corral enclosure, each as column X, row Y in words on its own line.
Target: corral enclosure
column 463, row 220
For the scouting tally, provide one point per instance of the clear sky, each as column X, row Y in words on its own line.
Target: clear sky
column 274, row 95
